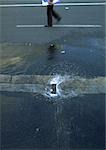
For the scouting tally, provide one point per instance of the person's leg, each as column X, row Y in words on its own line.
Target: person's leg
column 56, row 15
column 49, row 15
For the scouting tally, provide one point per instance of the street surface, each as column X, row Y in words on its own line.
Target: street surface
column 76, row 15
column 31, row 118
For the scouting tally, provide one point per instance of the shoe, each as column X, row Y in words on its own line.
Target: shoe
column 59, row 19
column 48, row 25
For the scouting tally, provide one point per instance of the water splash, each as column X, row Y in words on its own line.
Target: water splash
column 73, row 86
column 58, row 80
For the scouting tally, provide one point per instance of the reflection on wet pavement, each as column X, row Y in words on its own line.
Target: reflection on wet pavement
column 36, row 120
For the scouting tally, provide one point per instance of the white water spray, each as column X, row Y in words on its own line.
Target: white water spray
column 58, row 79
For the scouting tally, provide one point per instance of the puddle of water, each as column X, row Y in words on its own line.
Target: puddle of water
column 84, row 55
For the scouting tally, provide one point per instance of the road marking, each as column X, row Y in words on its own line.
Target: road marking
column 60, row 26
column 61, row 4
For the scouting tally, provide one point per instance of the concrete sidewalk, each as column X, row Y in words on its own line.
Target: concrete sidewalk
column 39, row 1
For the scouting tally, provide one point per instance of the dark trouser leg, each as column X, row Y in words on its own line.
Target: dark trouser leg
column 55, row 15
column 49, row 14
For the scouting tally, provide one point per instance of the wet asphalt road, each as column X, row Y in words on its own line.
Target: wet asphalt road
column 34, row 121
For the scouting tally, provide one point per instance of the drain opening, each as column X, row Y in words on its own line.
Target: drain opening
column 53, row 89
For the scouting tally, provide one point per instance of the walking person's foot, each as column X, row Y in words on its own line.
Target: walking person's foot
column 48, row 26
column 59, row 19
